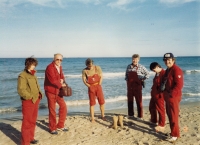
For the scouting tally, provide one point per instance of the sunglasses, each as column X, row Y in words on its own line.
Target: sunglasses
column 59, row 60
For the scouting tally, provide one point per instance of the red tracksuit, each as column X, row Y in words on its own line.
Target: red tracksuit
column 134, row 88
column 95, row 89
column 51, row 86
column 173, row 94
column 157, row 102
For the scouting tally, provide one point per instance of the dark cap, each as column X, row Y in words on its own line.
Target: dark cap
column 168, row 55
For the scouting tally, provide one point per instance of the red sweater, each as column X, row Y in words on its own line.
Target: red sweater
column 174, row 83
column 52, row 79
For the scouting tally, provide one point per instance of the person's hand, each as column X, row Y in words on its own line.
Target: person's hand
column 63, row 85
column 61, row 81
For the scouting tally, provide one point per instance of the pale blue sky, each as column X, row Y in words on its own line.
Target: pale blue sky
column 99, row 28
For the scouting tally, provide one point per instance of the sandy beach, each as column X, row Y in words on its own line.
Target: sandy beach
column 83, row 132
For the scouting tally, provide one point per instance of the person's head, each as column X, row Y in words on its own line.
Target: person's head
column 58, row 58
column 89, row 63
column 135, row 59
column 155, row 67
column 169, row 59
column 30, row 63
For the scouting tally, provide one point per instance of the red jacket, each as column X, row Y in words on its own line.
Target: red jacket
column 52, row 79
column 174, row 83
column 155, row 89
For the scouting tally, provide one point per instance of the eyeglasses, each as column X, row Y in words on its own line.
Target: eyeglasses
column 59, row 60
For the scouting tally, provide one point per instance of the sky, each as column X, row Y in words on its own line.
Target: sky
column 99, row 28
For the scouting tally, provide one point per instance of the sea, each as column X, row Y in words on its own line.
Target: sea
column 114, row 84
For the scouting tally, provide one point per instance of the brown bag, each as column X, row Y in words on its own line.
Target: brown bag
column 65, row 91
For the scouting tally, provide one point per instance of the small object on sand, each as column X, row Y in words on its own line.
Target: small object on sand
column 115, row 121
column 120, row 121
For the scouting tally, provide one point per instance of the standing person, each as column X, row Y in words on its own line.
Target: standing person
column 54, row 80
column 92, row 78
column 172, row 85
column 29, row 90
column 135, row 76
column 157, row 102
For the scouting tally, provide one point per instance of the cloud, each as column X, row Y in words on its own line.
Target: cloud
column 123, row 4
column 96, row 2
column 12, row 3
column 176, row 1
column 47, row 3
column 7, row 7
column 120, row 3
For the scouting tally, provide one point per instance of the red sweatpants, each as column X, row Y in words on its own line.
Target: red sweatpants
column 30, row 113
column 157, row 104
column 172, row 108
column 52, row 100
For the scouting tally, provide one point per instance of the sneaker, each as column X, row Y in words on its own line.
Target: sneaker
column 34, row 141
column 130, row 117
column 140, row 119
column 54, row 132
column 172, row 139
column 152, row 123
column 63, row 129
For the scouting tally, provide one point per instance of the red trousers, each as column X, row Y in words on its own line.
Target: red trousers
column 96, row 91
column 137, row 93
column 157, row 105
column 172, row 108
column 30, row 113
column 52, row 100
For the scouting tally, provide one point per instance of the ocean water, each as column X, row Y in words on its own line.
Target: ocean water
column 114, row 85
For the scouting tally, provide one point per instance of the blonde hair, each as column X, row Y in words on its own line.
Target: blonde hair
column 135, row 56
column 57, row 54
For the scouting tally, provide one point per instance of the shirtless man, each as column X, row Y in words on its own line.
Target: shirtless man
column 92, row 78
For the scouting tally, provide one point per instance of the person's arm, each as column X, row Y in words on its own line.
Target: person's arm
column 100, row 74
column 50, row 74
column 178, row 81
column 84, row 78
column 126, row 73
column 22, row 88
column 62, row 80
column 40, row 92
column 145, row 72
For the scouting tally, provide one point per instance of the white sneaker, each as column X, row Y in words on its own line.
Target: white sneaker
column 172, row 139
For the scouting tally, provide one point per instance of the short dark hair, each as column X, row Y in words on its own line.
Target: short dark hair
column 153, row 65
column 30, row 61
column 88, row 61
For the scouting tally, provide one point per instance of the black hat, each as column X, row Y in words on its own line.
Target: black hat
column 168, row 55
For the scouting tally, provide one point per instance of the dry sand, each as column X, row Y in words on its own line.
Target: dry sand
column 83, row 132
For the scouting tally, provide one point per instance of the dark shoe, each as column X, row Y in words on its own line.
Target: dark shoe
column 34, row 141
column 54, row 132
column 103, row 118
column 140, row 119
column 63, row 129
